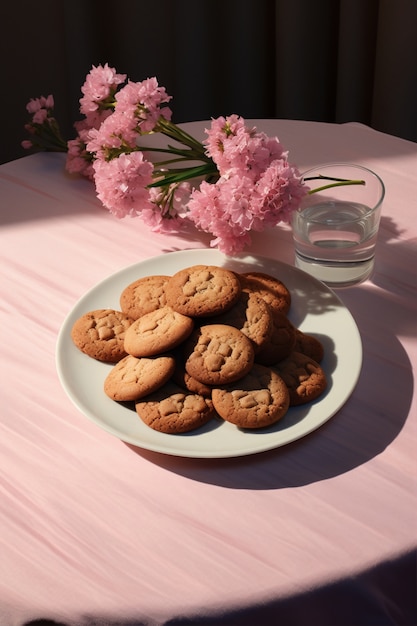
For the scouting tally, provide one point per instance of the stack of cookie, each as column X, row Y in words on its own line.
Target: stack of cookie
column 204, row 343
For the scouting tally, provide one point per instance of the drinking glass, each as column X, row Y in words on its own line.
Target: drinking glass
column 335, row 229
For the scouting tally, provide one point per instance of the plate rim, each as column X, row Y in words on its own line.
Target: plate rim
column 215, row 257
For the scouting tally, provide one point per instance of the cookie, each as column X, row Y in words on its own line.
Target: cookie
column 172, row 410
column 272, row 290
column 156, row 332
column 143, row 296
column 252, row 316
column 202, row 290
column 281, row 342
column 259, row 399
column 309, row 345
column 185, row 381
column 217, row 354
column 304, row 377
column 101, row 333
column 132, row 378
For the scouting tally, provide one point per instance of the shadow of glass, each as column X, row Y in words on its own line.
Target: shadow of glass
column 312, row 297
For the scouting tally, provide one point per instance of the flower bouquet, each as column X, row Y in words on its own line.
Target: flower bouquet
column 236, row 181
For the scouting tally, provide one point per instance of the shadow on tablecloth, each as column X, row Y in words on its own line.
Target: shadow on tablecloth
column 360, row 431
column 384, row 595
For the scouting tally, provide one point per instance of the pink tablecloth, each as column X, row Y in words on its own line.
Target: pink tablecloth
column 95, row 531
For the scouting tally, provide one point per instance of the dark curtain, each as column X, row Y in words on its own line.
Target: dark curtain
column 323, row 60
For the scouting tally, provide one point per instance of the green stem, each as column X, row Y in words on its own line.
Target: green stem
column 174, row 132
column 187, row 154
column 179, row 175
column 48, row 137
column 336, row 182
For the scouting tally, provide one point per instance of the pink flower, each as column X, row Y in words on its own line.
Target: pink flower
column 43, row 128
column 236, row 148
column 40, row 116
column 36, row 104
column 170, row 207
column 78, row 159
column 252, row 185
column 223, row 210
column 220, row 131
column 137, row 110
column 116, row 134
column 152, row 217
column 172, row 200
column 121, row 183
column 94, row 119
column 100, row 84
column 238, row 204
column 40, row 108
column 144, row 100
column 280, row 190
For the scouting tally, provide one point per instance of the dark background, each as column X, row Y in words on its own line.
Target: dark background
column 324, row 60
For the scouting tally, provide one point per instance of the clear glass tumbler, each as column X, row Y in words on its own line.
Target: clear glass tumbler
column 335, row 229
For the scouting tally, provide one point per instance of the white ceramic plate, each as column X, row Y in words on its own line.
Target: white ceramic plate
column 315, row 309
